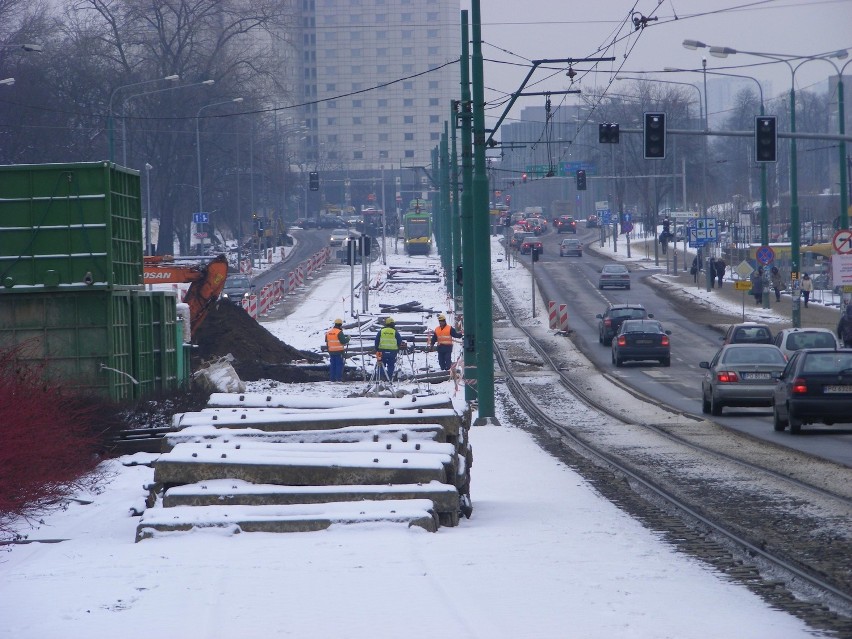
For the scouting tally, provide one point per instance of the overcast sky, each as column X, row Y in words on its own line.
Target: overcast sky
column 515, row 32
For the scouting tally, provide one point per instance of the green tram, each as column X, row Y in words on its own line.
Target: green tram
column 418, row 232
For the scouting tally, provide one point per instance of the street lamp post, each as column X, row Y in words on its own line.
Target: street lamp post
column 148, row 250
column 110, row 123
column 198, row 153
column 136, row 95
column 795, row 231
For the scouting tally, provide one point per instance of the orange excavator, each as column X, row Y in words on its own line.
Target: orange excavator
column 206, row 280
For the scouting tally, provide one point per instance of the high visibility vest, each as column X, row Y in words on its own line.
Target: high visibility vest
column 444, row 336
column 387, row 339
column 332, row 338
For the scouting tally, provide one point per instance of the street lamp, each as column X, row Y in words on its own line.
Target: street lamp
column 148, row 250
column 136, row 95
column 110, row 125
column 795, row 231
column 198, row 157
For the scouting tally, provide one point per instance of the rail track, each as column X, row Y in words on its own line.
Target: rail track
column 772, row 519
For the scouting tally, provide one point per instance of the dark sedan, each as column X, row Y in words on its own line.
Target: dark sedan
column 816, row 386
column 741, row 375
column 639, row 340
column 530, row 243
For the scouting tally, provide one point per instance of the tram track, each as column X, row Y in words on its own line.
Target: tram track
column 770, row 518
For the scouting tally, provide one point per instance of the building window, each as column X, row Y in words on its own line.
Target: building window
column 331, row 121
column 408, row 102
column 358, row 137
column 381, row 17
column 407, row 50
column 356, row 70
column 408, row 137
column 381, row 36
column 357, row 104
column 331, row 104
column 409, row 153
column 408, row 86
column 382, row 52
column 357, row 120
column 329, row 36
column 355, row 53
column 383, row 119
column 432, row 51
column 331, row 138
column 407, row 34
column 408, row 119
column 357, row 155
column 383, row 137
column 433, row 119
column 406, row 18
column 332, row 155
column 432, row 16
column 382, row 69
column 331, row 87
column 382, row 103
column 356, row 86
column 383, row 155
column 432, row 34
column 355, row 35
column 434, row 136
column 434, row 101
column 408, row 68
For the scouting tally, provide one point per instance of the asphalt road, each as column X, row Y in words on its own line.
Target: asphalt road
column 696, row 332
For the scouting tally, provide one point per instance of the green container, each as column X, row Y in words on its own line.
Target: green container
column 166, row 373
column 142, row 329
column 69, row 227
column 83, row 339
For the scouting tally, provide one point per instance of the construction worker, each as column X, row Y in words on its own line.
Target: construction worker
column 443, row 336
column 388, row 344
column 336, row 341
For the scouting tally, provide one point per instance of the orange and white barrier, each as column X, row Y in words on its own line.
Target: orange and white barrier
column 250, row 305
column 563, row 317
column 291, row 282
column 552, row 314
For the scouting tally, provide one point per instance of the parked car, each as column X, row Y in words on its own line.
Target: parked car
column 529, row 243
column 566, row 224
column 614, row 275
column 790, row 340
column 237, row 286
column 609, row 322
column 642, row 339
column 592, row 221
column 816, row 386
column 338, row 237
column 570, row 246
column 748, row 333
column 305, row 223
column 741, row 375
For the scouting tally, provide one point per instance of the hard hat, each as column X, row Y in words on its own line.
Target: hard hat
column 388, row 321
column 442, row 318
column 338, row 321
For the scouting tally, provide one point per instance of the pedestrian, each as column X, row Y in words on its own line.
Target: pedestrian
column 777, row 283
column 443, row 336
column 844, row 327
column 388, row 344
column 711, row 268
column 336, row 341
column 757, row 285
column 807, row 287
column 720, row 270
column 694, row 269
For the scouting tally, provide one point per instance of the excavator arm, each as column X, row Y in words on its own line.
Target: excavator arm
column 206, row 281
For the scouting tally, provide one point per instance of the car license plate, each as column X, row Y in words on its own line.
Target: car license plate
column 644, row 341
column 837, row 389
column 757, row 376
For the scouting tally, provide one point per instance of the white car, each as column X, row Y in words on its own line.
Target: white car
column 791, row 340
column 338, row 237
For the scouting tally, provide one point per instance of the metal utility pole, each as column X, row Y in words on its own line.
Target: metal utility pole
column 455, row 222
column 468, row 299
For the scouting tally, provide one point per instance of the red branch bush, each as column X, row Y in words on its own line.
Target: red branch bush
column 48, row 441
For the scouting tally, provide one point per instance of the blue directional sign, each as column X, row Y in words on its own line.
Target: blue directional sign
column 201, row 218
column 606, row 216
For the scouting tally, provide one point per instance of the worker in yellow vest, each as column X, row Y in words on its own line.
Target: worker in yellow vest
column 336, row 341
column 443, row 336
column 388, row 344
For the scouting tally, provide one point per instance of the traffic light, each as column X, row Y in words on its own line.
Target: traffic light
column 581, row 180
column 765, row 138
column 608, row 133
column 314, row 181
column 667, row 226
column 524, row 178
column 655, row 136
column 536, row 252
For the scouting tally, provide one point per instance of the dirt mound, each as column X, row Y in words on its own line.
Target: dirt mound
column 257, row 353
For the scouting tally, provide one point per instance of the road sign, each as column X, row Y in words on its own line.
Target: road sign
column 626, row 217
column 744, row 270
column 841, row 270
column 742, row 285
column 684, row 215
column 201, row 235
column 201, row 218
column 765, row 255
column 842, row 241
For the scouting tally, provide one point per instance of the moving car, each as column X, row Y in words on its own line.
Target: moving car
column 816, row 386
column 338, row 237
column 566, row 224
column 741, row 375
column 614, row 275
column 609, row 322
column 305, row 223
column 518, row 237
column 534, row 224
column 790, row 340
column 748, row 333
column 639, row 340
column 592, row 221
column 570, row 247
column 237, row 286
column 529, row 243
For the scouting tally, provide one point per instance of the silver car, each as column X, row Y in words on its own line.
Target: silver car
column 741, row 375
column 614, row 275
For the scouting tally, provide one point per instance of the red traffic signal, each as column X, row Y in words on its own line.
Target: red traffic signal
column 524, row 178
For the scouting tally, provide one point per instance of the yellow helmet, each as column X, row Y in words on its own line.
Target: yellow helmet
column 442, row 318
column 338, row 322
column 389, row 321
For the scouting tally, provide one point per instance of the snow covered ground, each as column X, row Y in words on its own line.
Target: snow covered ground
column 542, row 556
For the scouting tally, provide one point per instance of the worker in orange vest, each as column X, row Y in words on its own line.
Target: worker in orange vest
column 336, row 341
column 443, row 336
